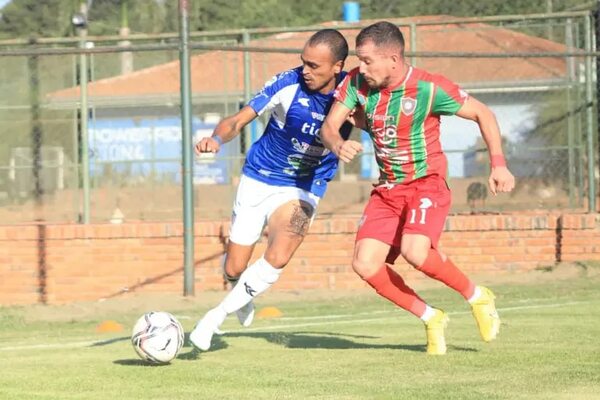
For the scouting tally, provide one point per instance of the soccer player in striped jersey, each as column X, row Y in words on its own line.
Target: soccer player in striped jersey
column 406, row 212
column 285, row 174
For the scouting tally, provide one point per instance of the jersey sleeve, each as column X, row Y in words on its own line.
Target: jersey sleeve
column 448, row 97
column 347, row 90
column 271, row 93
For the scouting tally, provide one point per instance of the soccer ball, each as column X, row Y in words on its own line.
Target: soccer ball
column 157, row 337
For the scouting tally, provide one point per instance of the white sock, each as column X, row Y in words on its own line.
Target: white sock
column 476, row 295
column 257, row 278
column 429, row 312
column 216, row 316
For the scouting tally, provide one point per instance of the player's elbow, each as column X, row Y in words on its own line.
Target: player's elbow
column 232, row 125
column 488, row 114
column 328, row 133
column 484, row 114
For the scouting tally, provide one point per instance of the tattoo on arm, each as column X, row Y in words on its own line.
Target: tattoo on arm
column 300, row 219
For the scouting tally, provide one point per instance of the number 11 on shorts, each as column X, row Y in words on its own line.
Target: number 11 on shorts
column 425, row 204
column 413, row 215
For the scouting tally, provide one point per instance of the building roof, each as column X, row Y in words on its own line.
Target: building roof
column 220, row 73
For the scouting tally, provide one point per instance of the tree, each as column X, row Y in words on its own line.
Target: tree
column 25, row 18
column 34, row 18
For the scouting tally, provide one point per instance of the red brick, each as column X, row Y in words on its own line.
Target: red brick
column 94, row 261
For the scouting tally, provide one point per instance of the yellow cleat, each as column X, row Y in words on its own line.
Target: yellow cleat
column 484, row 311
column 436, row 342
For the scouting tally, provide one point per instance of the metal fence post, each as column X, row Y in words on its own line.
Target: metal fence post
column 570, row 113
column 413, row 43
column 247, row 89
column 593, row 153
column 589, row 99
column 187, row 155
column 36, row 131
column 84, row 113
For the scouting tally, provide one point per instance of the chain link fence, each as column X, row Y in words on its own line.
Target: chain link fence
column 537, row 73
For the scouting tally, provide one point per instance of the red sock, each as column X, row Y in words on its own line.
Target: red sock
column 387, row 283
column 447, row 273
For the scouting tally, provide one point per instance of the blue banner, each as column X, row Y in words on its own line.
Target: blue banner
column 152, row 147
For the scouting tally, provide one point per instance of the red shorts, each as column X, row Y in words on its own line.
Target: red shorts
column 419, row 207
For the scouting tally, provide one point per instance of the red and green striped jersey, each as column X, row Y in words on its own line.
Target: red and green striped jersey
column 404, row 122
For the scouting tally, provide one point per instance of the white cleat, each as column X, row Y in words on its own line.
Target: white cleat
column 246, row 314
column 201, row 335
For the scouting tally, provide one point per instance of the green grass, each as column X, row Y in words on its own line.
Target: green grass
column 347, row 347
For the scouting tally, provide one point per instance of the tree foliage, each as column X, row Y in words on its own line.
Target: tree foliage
column 30, row 18
column 34, row 18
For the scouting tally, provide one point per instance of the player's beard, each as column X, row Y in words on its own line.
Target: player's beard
column 373, row 84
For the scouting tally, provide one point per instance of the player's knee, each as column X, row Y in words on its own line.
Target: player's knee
column 233, row 271
column 277, row 258
column 363, row 267
column 414, row 256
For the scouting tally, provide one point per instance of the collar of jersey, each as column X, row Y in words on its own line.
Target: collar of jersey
column 406, row 77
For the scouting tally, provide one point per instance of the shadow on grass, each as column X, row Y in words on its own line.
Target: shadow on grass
column 194, row 354
column 290, row 340
column 132, row 362
column 191, row 354
column 326, row 340
column 110, row 341
column 217, row 344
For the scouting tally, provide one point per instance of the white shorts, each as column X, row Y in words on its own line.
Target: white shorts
column 255, row 202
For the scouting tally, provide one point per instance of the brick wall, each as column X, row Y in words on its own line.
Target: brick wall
column 63, row 263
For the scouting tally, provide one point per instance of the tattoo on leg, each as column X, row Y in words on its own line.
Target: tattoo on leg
column 300, row 220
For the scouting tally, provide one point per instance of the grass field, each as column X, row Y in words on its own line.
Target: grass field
column 326, row 346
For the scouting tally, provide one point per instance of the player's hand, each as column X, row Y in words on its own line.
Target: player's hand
column 207, row 145
column 346, row 150
column 501, row 180
column 357, row 118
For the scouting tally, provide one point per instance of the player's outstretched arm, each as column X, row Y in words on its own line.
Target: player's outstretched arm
column 226, row 130
column 330, row 134
column 501, row 179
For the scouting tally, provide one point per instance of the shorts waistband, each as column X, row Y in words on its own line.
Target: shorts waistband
column 426, row 179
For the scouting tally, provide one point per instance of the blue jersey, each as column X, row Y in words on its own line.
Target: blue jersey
column 290, row 151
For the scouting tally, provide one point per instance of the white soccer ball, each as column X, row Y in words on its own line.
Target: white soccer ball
column 157, row 337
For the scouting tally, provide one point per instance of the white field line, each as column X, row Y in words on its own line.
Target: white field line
column 393, row 310
column 328, row 320
column 52, row 345
column 391, row 317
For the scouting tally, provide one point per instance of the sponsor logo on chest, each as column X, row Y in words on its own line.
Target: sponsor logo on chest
column 380, row 117
column 304, row 101
column 317, row 116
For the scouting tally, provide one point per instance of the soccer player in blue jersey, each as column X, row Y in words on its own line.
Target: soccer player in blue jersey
column 285, row 174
